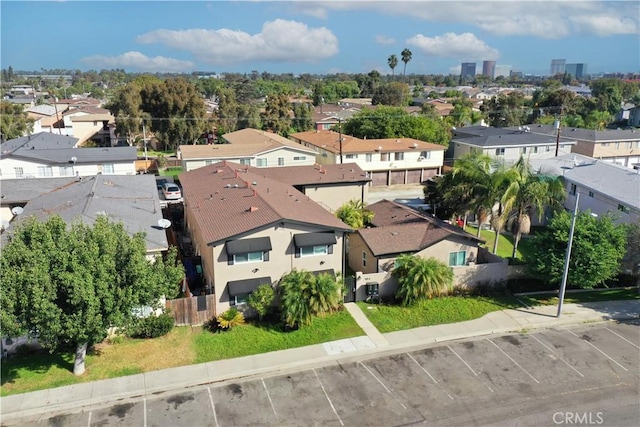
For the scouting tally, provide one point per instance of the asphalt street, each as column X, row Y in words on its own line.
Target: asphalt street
column 584, row 375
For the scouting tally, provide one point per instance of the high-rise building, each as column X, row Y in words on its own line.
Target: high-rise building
column 488, row 68
column 468, row 69
column 557, row 66
column 579, row 71
column 502, row 70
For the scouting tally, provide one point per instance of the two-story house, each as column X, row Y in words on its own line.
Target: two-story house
column 248, row 147
column 251, row 230
column 48, row 154
column 621, row 146
column 387, row 161
column 506, row 144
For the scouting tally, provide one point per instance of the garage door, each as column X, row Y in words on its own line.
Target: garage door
column 379, row 178
column 428, row 173
column 414, row 177
column 397, row 177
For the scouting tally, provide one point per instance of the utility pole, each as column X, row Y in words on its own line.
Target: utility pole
column 340, row 133
column 144, row 140
column 557, row 127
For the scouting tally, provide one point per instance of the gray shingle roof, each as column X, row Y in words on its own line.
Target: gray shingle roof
column 607, row 135
column 18, row 191
column 130, row 199
column 482, row 136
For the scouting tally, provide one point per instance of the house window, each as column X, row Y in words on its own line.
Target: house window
column 19, row 172
column 208, row 162
column 617, row 145
column 314, row 250
column 629, row 144
column 368, row 157
column 240, row 299
column 248, row 257
column 262, row 162
column 573, row 189
column 425, row 154
column 280, row 161
column 384, row 157
column 523, row 150
column 108, row 168
column 457, row 258
column 623, row 208
column 534, row 150
column 364, row 259
column 299, row 158
column 45, row 171
column 351, row 156
column 590, row 193
column 605, row 144
column 65, row 170
column 398, row 156
column 499, row 151
column 547, row 148
column 246, row 162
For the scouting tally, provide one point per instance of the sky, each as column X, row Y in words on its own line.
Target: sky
column 314, row 37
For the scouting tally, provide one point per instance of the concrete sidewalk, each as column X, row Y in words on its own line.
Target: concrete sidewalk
column 105, row 392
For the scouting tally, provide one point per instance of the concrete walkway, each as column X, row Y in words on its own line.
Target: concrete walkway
column 102, row 393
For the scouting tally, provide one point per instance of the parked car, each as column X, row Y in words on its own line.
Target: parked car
column 171, row 191
column 160, row 182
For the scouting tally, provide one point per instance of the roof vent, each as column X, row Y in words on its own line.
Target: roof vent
column 252, row 209
column 235, row 185
column 227, row 186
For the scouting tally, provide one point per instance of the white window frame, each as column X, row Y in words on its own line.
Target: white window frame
column 261, row 162
column 108, row 169
column 426, row 154
column 351, row 156
column 314, row 250
column 500, row 151
column 368, row 157
column 19, row 171
column 398, row 156
column 299, row 158
column 45, row 171
column 239, row 258
column 280, row 161
column 457, row 262
column 65, row 170
column 384, row 157
column 245, row 161
column 240, row 300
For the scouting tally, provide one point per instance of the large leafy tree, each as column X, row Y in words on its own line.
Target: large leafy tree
column 505, row 110
column 14, row 122
column 529, row 192
column 406, row 57
column 70, row 284
column 394, row 93
column 304, row 295
column 421, row 278
column 597, row 248
column 354, row 214
column 276, row 117
column 303, row 117
column 631, row 258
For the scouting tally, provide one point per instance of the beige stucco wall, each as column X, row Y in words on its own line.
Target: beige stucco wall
column 442, row 249
column 331, row 198
column 356, row 247
column 282, row 258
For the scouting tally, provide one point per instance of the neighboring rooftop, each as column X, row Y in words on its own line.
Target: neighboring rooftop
column 330, row 141
column 227, row 200
column 485, row 136
column 20, row 191
column 315, row 174
column 591, row 135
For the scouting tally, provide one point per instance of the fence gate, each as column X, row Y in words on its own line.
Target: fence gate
column 350, row 289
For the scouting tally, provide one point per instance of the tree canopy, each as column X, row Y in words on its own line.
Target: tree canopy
column 69, row 284
column 14, row 122
column 420, row 278
column 598, row 246
column 354, row 214
column 305, row 295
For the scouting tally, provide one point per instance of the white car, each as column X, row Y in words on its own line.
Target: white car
column 171, row 191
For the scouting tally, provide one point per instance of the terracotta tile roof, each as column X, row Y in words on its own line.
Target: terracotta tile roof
column 228, row 199
column 399, row 229
column 316, row 174
column 329, row 140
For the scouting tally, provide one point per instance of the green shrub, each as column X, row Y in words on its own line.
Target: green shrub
column 230, row 318
column 152, row 326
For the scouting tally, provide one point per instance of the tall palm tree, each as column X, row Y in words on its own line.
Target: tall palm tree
column 406, row 57
column 354, row 214
column 393, row 62
column 529, row 192
column 420, row 278
column 304, row 295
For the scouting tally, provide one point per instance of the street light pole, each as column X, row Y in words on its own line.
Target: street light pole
column 563, row 285
column 144, row 140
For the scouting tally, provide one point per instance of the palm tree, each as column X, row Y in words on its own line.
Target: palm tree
column 354, row 214
column 230, row 318
column 393, row 62
column 526, row 193
column 420, row 278
column 406, row 57
column 304, row 295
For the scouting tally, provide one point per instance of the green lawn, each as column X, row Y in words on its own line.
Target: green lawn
column 505, row 242
column 551, row 298
column 437, row 311
column 182, row 346
column 170, row 171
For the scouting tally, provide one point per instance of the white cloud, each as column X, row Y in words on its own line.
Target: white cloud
column 545, row 19
column 385, row 40
column 138, row 61
column 278, row 41
column 465, row 46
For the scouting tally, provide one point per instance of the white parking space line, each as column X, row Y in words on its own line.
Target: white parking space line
column 622, row 338
column 383, row 385
column 144, row 411
column 602, row 352
column 89, row 422
column 516, row 363
column 559, row 358
column 269, row 396
column 213, row 407
column 427, row 372
column 327, row 396
column 471, row 369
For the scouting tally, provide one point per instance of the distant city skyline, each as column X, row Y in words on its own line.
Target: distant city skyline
column 318, row 37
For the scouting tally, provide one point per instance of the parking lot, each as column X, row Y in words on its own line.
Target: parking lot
column 588, row 373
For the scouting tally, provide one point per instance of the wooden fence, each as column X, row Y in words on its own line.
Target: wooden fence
column 193, row 310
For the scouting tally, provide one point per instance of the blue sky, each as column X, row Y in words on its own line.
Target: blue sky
column 318, row 37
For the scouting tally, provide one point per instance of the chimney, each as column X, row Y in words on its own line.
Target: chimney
column 252, row 209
